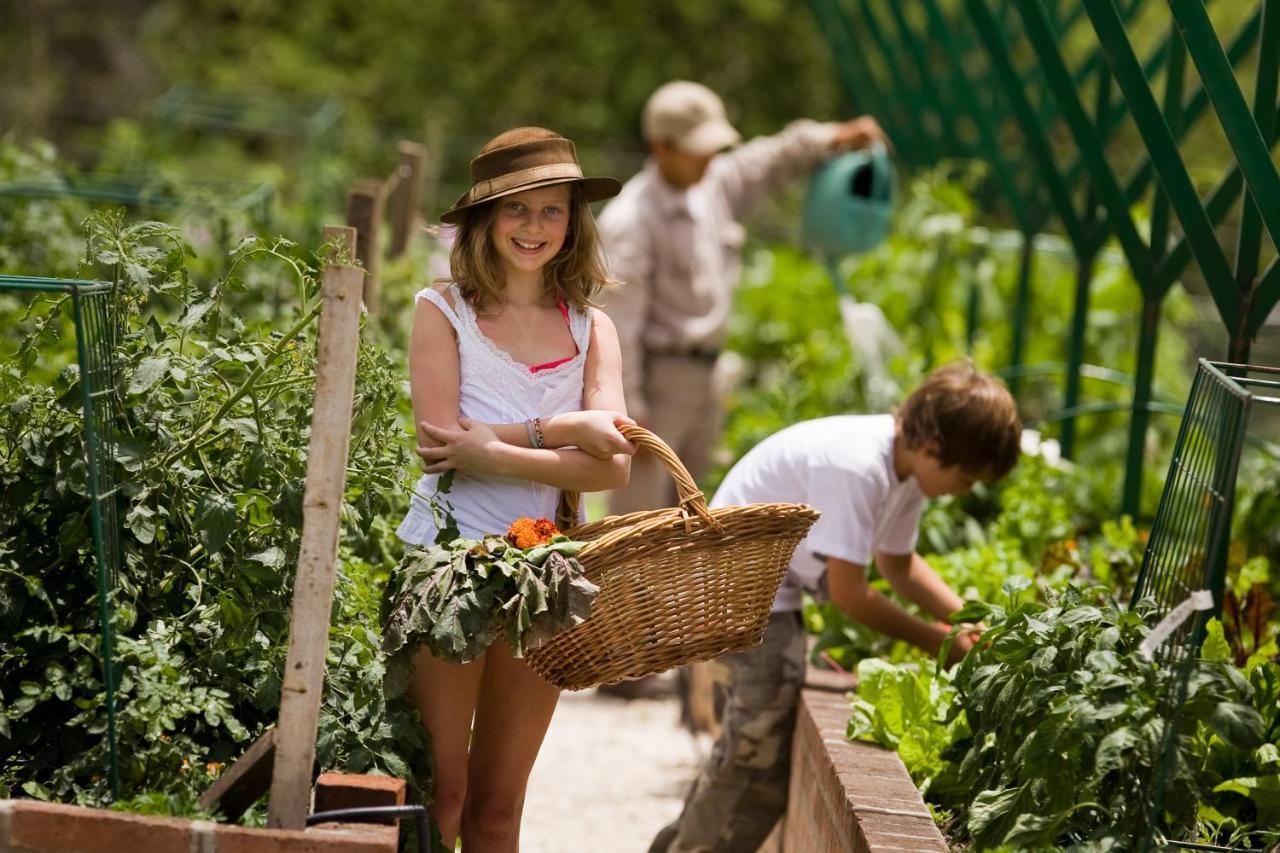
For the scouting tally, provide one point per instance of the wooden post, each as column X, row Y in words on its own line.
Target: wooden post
column 336, row 350
column 364, row 213
column 407, row 196
column 435, row 136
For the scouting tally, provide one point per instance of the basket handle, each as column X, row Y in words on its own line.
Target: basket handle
column 689, row 496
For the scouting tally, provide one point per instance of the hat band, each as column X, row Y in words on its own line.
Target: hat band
column 483, row 189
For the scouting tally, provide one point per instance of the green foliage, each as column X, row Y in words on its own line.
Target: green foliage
column 906, row 707
column 1047, row 733
column 37, row 236
column 214, row 412
column 456, row 597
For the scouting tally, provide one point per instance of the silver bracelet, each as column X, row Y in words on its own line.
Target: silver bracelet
column 528, row 431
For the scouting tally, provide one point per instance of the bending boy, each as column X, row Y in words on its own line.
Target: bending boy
column 869, row 475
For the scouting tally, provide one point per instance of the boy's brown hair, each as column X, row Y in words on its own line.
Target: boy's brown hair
column 970, row 417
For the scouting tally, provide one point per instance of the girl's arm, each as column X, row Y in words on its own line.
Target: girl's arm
column 475, row 447
column 434, row 373
column 591, row 430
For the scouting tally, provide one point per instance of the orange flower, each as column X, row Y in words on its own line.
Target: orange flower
column 529, row 533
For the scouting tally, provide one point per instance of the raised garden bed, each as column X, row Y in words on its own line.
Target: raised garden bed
column 847, row 796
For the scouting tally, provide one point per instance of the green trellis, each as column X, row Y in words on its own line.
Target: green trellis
column 989, row 80
column 92, row 312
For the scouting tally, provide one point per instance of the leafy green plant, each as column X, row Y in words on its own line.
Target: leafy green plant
column 1047, row 733
column 214, row 412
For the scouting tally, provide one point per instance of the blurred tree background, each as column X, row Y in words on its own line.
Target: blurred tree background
column 453, row 71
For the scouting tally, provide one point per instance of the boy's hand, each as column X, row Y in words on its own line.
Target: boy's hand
column 965, row 639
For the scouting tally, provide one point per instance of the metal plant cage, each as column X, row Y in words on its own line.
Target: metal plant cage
column 92, row 312
column 1187, row 549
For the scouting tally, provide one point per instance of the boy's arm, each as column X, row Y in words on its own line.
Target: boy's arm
column 849, row 590
column 915, row 580
column 751, row 170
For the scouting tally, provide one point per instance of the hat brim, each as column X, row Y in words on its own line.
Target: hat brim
column 710, row 137
column 596, row 189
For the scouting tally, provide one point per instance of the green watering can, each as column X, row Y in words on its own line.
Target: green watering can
column 849, row 203
column 846, row 211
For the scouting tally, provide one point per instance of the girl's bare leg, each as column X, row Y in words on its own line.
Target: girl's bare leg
column 445, row 695
column 512, row 716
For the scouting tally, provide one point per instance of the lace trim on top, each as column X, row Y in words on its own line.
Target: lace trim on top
column 580, row 321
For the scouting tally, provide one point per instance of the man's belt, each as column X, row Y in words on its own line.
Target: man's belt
column 706, row 355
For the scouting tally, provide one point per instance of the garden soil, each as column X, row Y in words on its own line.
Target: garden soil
column 611, row 773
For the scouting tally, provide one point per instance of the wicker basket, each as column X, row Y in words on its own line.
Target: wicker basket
column 676, row 585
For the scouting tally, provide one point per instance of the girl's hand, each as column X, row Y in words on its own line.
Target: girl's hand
column 595, row 431
column 472, row 448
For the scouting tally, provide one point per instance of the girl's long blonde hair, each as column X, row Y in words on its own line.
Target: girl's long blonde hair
column 575, row 275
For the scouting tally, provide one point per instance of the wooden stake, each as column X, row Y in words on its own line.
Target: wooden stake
column 364, row 213
column 336, row 351
column 407, row 196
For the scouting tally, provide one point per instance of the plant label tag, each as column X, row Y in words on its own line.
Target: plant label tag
column 1201, row 599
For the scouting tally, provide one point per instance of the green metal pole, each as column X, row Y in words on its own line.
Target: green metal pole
column 1033, row 131
column 1246, row 140
column 946, row 118
column 986, row 133
column 1021, row 305
column 1086, row 137
column 96, row 523
column 1152, row 297
column 855, row 77
column 1250, row 241
column 1075, row 348
column 1168, row 162
column 927, row 144
column 1135, row 457
column 1239, row 48
column 1086, row 259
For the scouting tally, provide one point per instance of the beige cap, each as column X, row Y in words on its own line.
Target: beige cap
column 689, row 116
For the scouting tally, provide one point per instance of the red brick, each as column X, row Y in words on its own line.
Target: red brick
column 850, row 796
column 357, row 791
column 36, row 825
column 331, row 838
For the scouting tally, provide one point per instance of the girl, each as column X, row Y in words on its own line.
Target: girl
column 517, row 387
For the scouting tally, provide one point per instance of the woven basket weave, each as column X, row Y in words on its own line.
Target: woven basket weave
column 676, row 585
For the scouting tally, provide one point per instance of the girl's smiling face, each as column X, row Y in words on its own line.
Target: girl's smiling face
column 530, row 227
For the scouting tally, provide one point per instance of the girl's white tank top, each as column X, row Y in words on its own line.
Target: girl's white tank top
column 496, row 389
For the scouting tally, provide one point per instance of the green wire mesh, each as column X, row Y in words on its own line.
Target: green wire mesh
column 1189, row 540
column 92, row 313
column 1187, row 548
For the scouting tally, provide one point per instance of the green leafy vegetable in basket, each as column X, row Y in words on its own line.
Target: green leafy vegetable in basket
column 457, row 597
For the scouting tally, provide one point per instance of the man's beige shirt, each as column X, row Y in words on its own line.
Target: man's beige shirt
column 677, row 255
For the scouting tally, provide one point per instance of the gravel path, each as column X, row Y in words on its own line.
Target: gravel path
column 611, row 773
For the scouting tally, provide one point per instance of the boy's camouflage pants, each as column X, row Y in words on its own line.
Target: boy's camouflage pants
column 742, row 789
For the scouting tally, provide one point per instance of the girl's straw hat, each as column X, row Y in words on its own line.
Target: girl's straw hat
column 523, row 159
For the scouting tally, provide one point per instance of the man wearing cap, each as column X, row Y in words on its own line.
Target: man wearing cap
column 674, row 242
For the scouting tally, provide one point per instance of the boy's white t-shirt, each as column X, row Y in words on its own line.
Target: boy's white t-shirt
column 841, row 466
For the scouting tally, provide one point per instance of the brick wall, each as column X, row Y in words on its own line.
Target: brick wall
column 28, row 826
column 849, row 796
